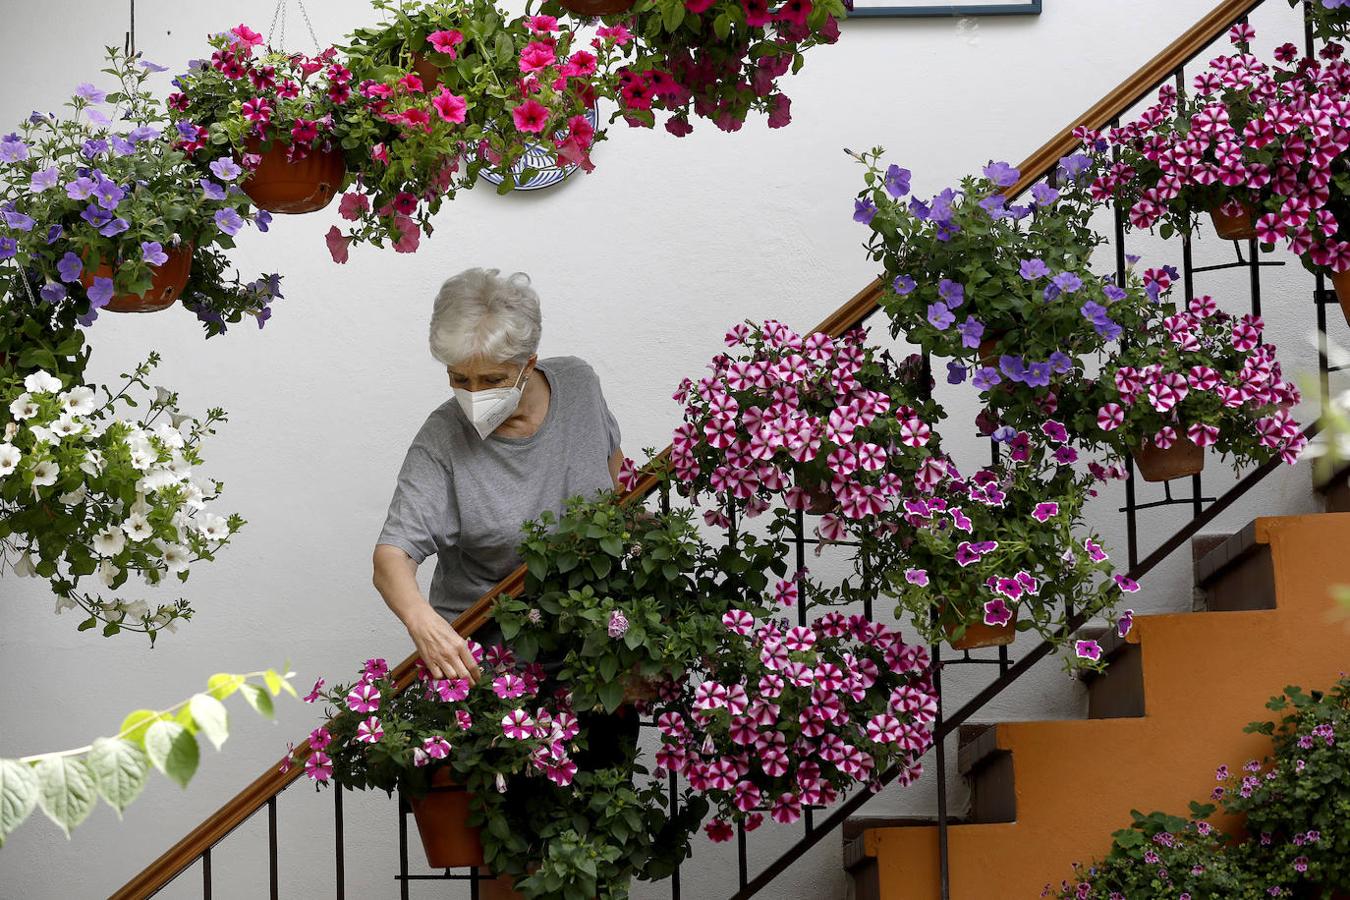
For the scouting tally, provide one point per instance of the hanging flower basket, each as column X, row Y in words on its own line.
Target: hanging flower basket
column 1234, row 224
column 442, row 818
column 1183, row 458
column 169, row 280
column 596, row 8
column 978, row 634
column 425, row 69
column 1341, row 282
column 306, row 185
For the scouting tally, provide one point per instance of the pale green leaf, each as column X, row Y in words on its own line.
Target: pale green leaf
column 135, row 724
column 119, row 768
column 18, row 795
column 66, row 790
column 223, row 684
column 211, row 717
column 173, row 750
column 257, row 698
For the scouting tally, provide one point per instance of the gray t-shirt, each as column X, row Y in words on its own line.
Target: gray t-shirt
column 464, row 498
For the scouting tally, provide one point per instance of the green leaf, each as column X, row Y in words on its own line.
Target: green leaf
column 223, row 684
column 609, row 667
column 673, row 15
column 211, row 717
column 18, row 795
column 173, row 750
column 119, row 768
column 66, row 790
column 610, row 544
column 257, row 698
column 136, row 723
column 611, row 695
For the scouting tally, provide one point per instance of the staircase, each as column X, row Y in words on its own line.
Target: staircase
column 1167, row 714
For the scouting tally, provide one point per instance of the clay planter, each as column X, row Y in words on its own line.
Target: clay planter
column 425, row 69
column 169, row 281
column 442, row 818
column 306, row 185
column 980, row 635
column 592, row 8
column 1341, row 282
column 1234, row 228
column 1183, row 458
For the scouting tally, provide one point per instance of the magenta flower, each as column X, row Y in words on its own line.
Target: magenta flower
column 518, row 725
column 786, row 592
column 319, row 766
column 966, row 554
column 996, row 612
column 1126, row 584
column 451, row 690
column 738, row 621
column 1045, row 510
column 314, row 694
column 320, row 738
column 1088, row 650
column 799, row 639
column 618, row 624
column 369, row 730
column 1125, row 622
column 508, row 686
column 917, row 577
column 884, row 729
column 364, row 698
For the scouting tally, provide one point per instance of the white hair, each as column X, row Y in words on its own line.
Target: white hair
column 479, row 313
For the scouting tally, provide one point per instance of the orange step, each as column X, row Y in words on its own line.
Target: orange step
column 1205, row 676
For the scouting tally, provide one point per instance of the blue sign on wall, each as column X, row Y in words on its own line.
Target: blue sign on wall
column 925, row 8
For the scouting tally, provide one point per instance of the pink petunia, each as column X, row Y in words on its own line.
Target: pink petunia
column 1110, row 417
column 445, row 41
column 369, row 731
column 1090, row 650
column 1045, row 510
column 337, row 244
column 738, row 621
column 436, row 747
column 530, row 117
column 518, row 725
column 449, row 106
column 319, row 766
column 364, row 698
column 996, row 612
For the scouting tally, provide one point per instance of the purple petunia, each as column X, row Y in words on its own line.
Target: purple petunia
column 986, row 378
column 897, row 181
column 44, row 179
column 972, row 330
column 995, row 205
column 939, row 316
column 1044, row 194
column 100, row 292
column 152, row 67
column 1034, row 268
column 81, row 188
column 951, row 293
column 90, row 94
column 53, row 292
column 225, row 169
column 1037, row 374
column 12, row 149
column 864, row 210
column 919, row 210
column 1114, row 292
column 956, row 373
column 902, row 284
column 1071, row 167
column 8, row 247
column 261, row 219
column 1067, row 282
column 54, row 233
column 143, row 133
column 1014, row 368
column 114, row 228
column 1001, row 174
column 108, row 194
column 153, row 253
column 211, row 190
column 228, row 221
column 18, row 221
column 1060, row 362
column 69, row 267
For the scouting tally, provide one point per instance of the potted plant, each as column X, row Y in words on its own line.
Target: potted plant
column 1197, row 378
column 978, row 558
column 273, row 114
column 1330, row 19
column 824, row 425
column 719, row 60
column 101, row 208
column 450, row 89
column 84, row 492
column 784, row 718
column 1004, row 291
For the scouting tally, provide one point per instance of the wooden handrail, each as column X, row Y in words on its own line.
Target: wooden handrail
column 272, row 782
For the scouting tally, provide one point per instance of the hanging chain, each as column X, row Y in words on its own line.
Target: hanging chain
column 279, row 17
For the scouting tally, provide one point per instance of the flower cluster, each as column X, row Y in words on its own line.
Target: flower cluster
column 1200, row 375
column 828, row 425
column 1003, row 543
column 788, row 717
column 92, row 204
column 718, row 60
column 83, row 492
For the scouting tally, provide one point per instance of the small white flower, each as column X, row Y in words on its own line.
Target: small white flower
column 93, row 463
column 24, row 568
column 162, row 395
column 11, row 429
column 169, row 435
column 108, row 572
column 193, row 497
column 180, row 466
column 42, row 382
column 140, row 506
column 213, row 527
column 143, row 454
column 9, row 459
column 109, row 541
column 136, row 610
column 23, row 407
column 75, row 497
column 67, row 426
column 78, row 401
column 44, row 435
column 177, row 557
column 63, row 604
column 156, row 479
column 137, row 527
column 179, row 418
column 45, row 473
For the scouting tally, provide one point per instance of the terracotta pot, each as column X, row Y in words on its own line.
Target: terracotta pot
column 306, row 185
column 636, row 688
column 1235, row 228
column 980, row 635
column 592, row 8
column 425, row 69
column 1341, row 282
column 989, row 352
column 169, row 281
column 1183, row 458
column 442, row 818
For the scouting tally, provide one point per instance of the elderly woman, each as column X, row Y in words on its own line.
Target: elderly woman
column 520, row 435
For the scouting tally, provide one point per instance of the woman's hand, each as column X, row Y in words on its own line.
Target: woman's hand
column 445, row 653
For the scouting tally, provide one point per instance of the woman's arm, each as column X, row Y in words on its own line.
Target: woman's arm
column 444, row 651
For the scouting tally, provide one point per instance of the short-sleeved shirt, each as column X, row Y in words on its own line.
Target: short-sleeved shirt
column 464, row 498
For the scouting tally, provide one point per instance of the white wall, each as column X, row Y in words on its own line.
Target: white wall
column 641, row 265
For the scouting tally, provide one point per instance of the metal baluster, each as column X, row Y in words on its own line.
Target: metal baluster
column 206, row 874
column 272, row 845
column 337, row 842
column 742, row 867
column 941, row 748
column 402, row 848
column 674, row 876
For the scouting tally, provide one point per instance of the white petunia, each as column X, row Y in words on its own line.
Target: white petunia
column 45, row 435
column 93, row 463
column 180, row 466
column 11, row 429
column 164, row 619
column 23, row 407
column 156, row 479
column 177, row 557
column 137, row 527
column 108, row 572
column 109, row 541
column 24, row 568
column 42, row 382
column 67, row 426
column 78, row 401
column 193, row 497
column 45, row 473
column 171, row 437
column 142, row 454
column 63, row 604
column 75, row 497
column 135, row 611
column 213, row 527
column 140, row 506
column 9, row 459
column 179, row 418
column 162, row 395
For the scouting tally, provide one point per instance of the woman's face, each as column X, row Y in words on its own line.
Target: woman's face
column 478, row 374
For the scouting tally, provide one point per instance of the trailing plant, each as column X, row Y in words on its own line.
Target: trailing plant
column 67, row 784
column 95, row 201
column 1004, row 544
column 1198, row 374
column 1005, row 291
column 84, row 492
column 618, row 598
column 719, row 60
column 1330, row 18
column 806, row 422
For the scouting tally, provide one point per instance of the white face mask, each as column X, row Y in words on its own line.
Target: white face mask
column 488, row 409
